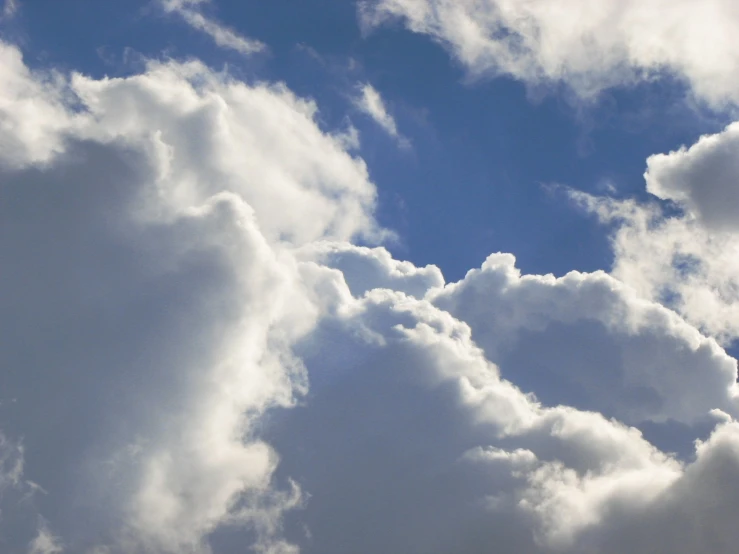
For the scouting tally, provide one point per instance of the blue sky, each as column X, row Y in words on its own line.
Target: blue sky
column 390, row 276
column 483, row 150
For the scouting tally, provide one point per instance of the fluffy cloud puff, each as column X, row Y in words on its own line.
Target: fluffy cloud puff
column 585, row 340
column 409, row 429
column 588, row 46
column 689, row 259
column 164, row 304
column 589, row 341
column 703, row 178
column 194, row 365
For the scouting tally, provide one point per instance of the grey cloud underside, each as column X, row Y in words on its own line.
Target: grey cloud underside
column 189, row 364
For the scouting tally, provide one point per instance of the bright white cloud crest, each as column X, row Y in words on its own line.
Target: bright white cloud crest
column 223, row 368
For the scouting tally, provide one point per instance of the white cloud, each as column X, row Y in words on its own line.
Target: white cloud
column 587, row 340
column 34, row 117
column 223, row 36
column 204, row 362
column 371, row 103
column 213, row 133
column 678, row 260
column 11, row 463
column 687, row 262
column 45, row 542
column 365, row 268
column 171, row 270
column 409, row 430
column 703, row 178
column 586, row 45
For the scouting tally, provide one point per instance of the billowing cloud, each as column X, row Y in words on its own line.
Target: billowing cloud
column 408, row 428
column 167, row 304
column 587, row 340
column 189, row 11
column 201, row 360
column 687, row 259
column 371, row 103
column 584, row 340
column 703, row 178
column 588, row 46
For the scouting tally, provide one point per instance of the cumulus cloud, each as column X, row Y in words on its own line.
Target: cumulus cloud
column 168, row 305
column 371, row 103
column 204, row 361
column 552, row 334
column 189, row 11
column 703, row 178
column 588, row 46
column 686, row 259
column 33, row 111
column 408, row 428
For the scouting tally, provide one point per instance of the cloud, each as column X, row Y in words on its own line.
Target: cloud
column 409, row 429
column 164, row 303
column 371, row 103
column 204, row 361
column 34, row 114
column 688, row 261
column 10, row 8
column 45, row 542
column 586, row 340
column 585, row 45
column 685, row 260
column 223, row 36
column 365, row 269
column 704, row 179
column 11, row 463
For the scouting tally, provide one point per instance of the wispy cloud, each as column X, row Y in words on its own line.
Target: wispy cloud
column 371, row 103
column 222, row 35
column 10, row 8
column 45, row 542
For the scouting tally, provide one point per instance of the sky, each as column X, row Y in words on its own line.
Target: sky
column 369, row 276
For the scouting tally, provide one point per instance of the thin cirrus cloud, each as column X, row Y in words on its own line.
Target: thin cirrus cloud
column 371, row 103
column 10, row 8
column 223, row 36
column 191, row 364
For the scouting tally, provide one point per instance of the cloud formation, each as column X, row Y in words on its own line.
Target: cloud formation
column 10, row 8
column 686, row 258
column 225, row 37
column 588, row 46
column 140, row 407
column 371, row 103
column 198, row 358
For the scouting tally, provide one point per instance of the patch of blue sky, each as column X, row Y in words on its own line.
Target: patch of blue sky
column 484, row 152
